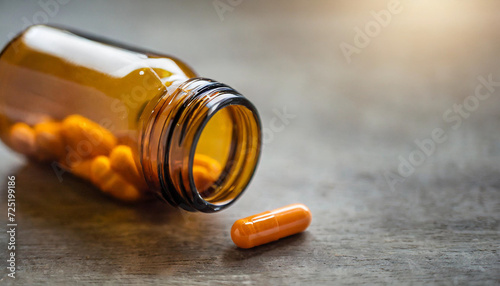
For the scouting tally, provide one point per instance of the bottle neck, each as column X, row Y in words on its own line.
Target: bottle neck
column 200, row 118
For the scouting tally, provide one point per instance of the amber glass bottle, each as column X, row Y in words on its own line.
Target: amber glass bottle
column 131, row 122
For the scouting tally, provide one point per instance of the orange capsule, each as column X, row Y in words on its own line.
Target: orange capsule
column 270, row 226
column 122, row 161
column 103, row 176
column 22, row 138
column 82, row 168
column 81, row 133
column 202, row 179
column 211, row 165
column 49, row 141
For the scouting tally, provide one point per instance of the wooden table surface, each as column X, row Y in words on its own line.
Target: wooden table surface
column 352, row 122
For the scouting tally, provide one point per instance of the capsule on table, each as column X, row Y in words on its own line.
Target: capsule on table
column 270, row 225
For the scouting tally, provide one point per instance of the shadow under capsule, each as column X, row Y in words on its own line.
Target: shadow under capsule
column 286, row 246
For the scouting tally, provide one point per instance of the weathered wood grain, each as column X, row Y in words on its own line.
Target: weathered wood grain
column 351, row 122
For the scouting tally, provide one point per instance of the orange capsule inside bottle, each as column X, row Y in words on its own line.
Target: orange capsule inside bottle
column 270, row 225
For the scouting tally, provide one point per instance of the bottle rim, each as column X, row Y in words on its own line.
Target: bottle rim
column 193, row 104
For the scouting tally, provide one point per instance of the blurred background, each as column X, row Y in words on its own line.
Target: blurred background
column 352, row 85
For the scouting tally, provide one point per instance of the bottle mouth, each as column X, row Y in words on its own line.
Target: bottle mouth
column 212, row 146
